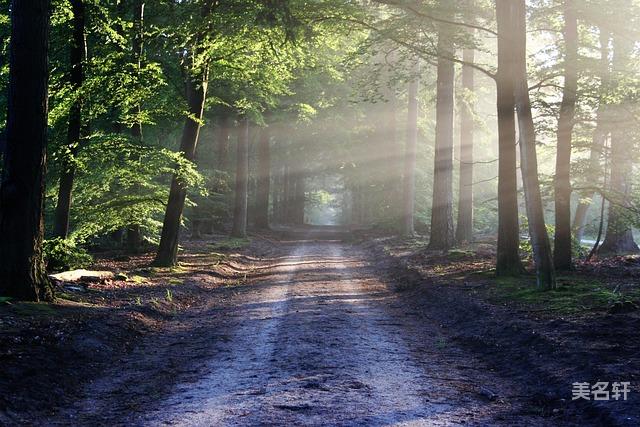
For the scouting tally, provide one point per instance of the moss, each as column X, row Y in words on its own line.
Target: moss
column 573, row 294
column 459, row 254
column 230, row 243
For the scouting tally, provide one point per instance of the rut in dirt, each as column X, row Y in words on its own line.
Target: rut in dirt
column 318, row 338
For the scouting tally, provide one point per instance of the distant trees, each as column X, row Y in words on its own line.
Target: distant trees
column 464, row 223
column 409, row 166
column 619, row 236
column 242, row 180
column 22, row 271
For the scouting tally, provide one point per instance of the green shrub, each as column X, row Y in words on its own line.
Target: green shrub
column 63, row 254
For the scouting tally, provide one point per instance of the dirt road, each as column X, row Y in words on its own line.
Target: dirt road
column 315, row 337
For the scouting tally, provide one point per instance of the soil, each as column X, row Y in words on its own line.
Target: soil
column 303, row 329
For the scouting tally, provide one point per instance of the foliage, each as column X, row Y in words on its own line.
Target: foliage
column 64, row 254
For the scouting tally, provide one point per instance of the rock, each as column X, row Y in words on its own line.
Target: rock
column 82, row 276
column 121, row 276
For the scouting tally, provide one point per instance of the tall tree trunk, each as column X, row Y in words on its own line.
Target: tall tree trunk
column 442, row 233
column 196, row 87
column 508, row 257
column 222, row 143
column 562, row 182
column 286, row 194
column 409, row 177
column 242, row 181
column 78, row 50
column 545, row 272
column 22, row 271
column 263, row 187
column 134, row 232
column 464, row 229
column 598, row 140
column 276, row 192
column 619, row 236
column 299, row 198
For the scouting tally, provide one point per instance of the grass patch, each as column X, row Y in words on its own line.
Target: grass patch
column 230, row 243
column 573, row 295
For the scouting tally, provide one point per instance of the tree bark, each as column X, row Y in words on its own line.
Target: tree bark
column 619, row 236
column 78, row 52
column 508, row 259
column 409, row 178
column 442, row 233
column 263, row 187
column 299, row 198
column 242, row 181
column 196, row 87
column 222, row 143
column 543, row 258
column 562, row 181
column 464, row 229
column 598, row 140
column 22, row 271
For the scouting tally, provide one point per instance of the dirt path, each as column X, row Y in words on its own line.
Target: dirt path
column 314, row 338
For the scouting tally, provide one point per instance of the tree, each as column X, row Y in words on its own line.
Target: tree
column 242, row 181
column 78, row 55
column 599, row 138
column 409, row 183
column 562, row 181
column 508, row 261
column 619, row 236
column 196, row 89
column 22, row 272
column 545, row 272
column 264, row 180
column 464, row 228
column 442, row 233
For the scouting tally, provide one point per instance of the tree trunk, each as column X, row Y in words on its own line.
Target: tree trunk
column 263, row 187
column 409, row 179
column 134, row 231
column 299, row 198
column 464, row 229
column 242, row 181
column 222, row 143
column 545, row 272
column 22, row 271
column 167, row 255
column 562, row 182
column 78, row 51
column 619, row 236
column 598, row 140
column 442, row 233
column 286, row 194
column 508, row 258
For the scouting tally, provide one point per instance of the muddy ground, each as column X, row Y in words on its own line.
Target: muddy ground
column 308, row 331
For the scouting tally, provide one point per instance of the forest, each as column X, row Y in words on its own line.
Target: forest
column 319, row 212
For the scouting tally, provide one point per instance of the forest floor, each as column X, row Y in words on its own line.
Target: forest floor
column 313, row 329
